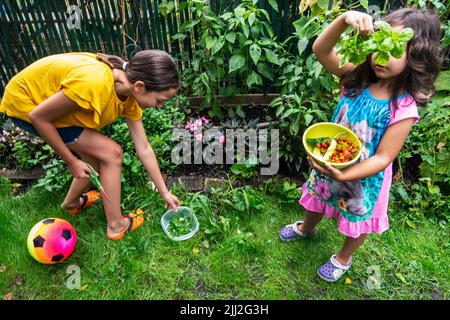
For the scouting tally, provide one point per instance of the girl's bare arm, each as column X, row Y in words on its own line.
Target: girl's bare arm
column 388, row 149
column 42, row 118
column 324, row 46
column 148, row 158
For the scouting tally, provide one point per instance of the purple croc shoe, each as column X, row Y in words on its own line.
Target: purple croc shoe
column 332, row 271
column 290, row 232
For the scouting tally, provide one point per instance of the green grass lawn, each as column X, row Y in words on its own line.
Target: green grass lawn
column 247, row 262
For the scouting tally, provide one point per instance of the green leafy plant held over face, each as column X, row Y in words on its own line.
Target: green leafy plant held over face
column 384, row 42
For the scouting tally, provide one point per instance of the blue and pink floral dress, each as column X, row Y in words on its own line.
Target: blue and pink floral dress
column 359, row 206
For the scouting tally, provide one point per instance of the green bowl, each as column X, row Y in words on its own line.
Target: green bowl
column 331, row 130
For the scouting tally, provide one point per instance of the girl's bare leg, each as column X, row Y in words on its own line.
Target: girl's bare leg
column 350, row 245
column 109, row 156
column 310, row 221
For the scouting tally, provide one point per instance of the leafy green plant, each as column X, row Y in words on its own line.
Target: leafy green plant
column 217, row 210
column 429, row 194
column 384, row 42
column 5, row 186
column 308, row 93
column 209, row 212
column 291, row 191
column 421, row 199
column 430, row 140
column 20, row 149
column 242, row 40
column 56, row 176
column 243, row 200
column 294, row 114
column 288, row 192
column 245, row 170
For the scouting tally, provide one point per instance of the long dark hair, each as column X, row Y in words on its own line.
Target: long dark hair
column 424, row 58
column 156, row 68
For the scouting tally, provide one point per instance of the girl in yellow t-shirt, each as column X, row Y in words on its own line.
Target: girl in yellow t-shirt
column 67, row 98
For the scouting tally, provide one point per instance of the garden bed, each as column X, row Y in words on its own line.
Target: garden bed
column 192, row 177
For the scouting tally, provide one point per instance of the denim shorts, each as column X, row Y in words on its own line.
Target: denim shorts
column 68, row 134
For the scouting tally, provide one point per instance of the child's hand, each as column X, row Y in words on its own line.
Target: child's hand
column 360, row 21
column 79, row 169
column 327, row 170
column 172, row 201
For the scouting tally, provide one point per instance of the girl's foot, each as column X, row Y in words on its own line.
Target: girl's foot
column 84, row 202
column 343, row 261
column 130, row 222
column 76, row 204
column 293, row 231
column 332, row 271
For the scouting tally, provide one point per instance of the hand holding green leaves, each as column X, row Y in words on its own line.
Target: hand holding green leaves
column 385, row 42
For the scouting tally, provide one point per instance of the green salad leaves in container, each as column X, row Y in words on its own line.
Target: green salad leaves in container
column 179, row 225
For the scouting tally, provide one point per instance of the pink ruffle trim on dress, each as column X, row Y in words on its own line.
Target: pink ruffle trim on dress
column 348, row 228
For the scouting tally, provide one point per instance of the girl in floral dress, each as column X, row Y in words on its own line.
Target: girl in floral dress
column 380, row 105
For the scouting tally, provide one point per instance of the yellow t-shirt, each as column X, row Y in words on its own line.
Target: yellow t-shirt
column 84, row 79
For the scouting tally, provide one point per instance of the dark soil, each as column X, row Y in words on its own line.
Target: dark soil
column 411, row 172
column 224, row 171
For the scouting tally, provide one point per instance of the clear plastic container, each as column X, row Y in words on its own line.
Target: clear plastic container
column 184, row 212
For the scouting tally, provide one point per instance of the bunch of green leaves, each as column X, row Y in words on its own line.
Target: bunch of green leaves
column 385, row 42
column 291, row 191
column 180, row 225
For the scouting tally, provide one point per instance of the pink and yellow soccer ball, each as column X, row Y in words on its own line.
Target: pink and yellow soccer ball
column 51, row 240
